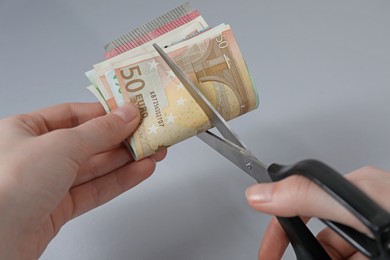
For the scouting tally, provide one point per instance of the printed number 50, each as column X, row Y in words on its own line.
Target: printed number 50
column 133, row 85
column 222, row 42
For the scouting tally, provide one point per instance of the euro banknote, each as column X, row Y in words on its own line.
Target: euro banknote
column 210, row 57
column 181, row 15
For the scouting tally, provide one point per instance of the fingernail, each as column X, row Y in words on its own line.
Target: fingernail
column 259, row 193
column 127, row 112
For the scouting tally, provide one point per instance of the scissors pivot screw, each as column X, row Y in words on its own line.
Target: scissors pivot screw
column 249, row 165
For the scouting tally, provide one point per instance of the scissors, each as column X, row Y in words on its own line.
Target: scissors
column 305, row 245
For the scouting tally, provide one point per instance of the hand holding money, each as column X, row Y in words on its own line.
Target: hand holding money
column 135, row 73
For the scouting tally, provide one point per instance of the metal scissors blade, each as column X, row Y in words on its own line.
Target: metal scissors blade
column 232, row 148
column 302, row 240
column 239, row 156
column 218, row 121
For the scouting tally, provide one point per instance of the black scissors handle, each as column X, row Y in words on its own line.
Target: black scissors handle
column 376, row 219
column 304, row 243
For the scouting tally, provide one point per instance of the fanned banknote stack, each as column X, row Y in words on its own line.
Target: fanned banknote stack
column 133, row 72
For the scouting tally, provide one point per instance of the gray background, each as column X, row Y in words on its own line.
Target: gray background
column 322, row 70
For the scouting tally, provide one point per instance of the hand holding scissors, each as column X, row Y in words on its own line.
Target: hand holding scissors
column 305, row 245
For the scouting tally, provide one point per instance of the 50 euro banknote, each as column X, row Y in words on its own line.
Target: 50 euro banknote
column 212, row 60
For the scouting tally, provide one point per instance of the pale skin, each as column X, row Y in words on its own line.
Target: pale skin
column 297, row 196
column 58, row 163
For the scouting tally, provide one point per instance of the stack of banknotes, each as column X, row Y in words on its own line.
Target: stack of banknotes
column 133, row 72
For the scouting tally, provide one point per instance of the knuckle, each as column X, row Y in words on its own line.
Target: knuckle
column 34, row 123
column 73, row 118
column 93, row 170
column 367, row 170
column 295, row 191
column 364, row 176
column 298, row 187
column 361, row 172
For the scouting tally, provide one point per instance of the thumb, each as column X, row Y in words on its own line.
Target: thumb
column 102, row 133
column 297, row 196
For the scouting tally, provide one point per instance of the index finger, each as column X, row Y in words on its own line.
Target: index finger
column 275, row 241
column 69, row 115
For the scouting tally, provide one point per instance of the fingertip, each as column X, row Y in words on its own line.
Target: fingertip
column 160, row 155
column 259, row 193
column 149, row 164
